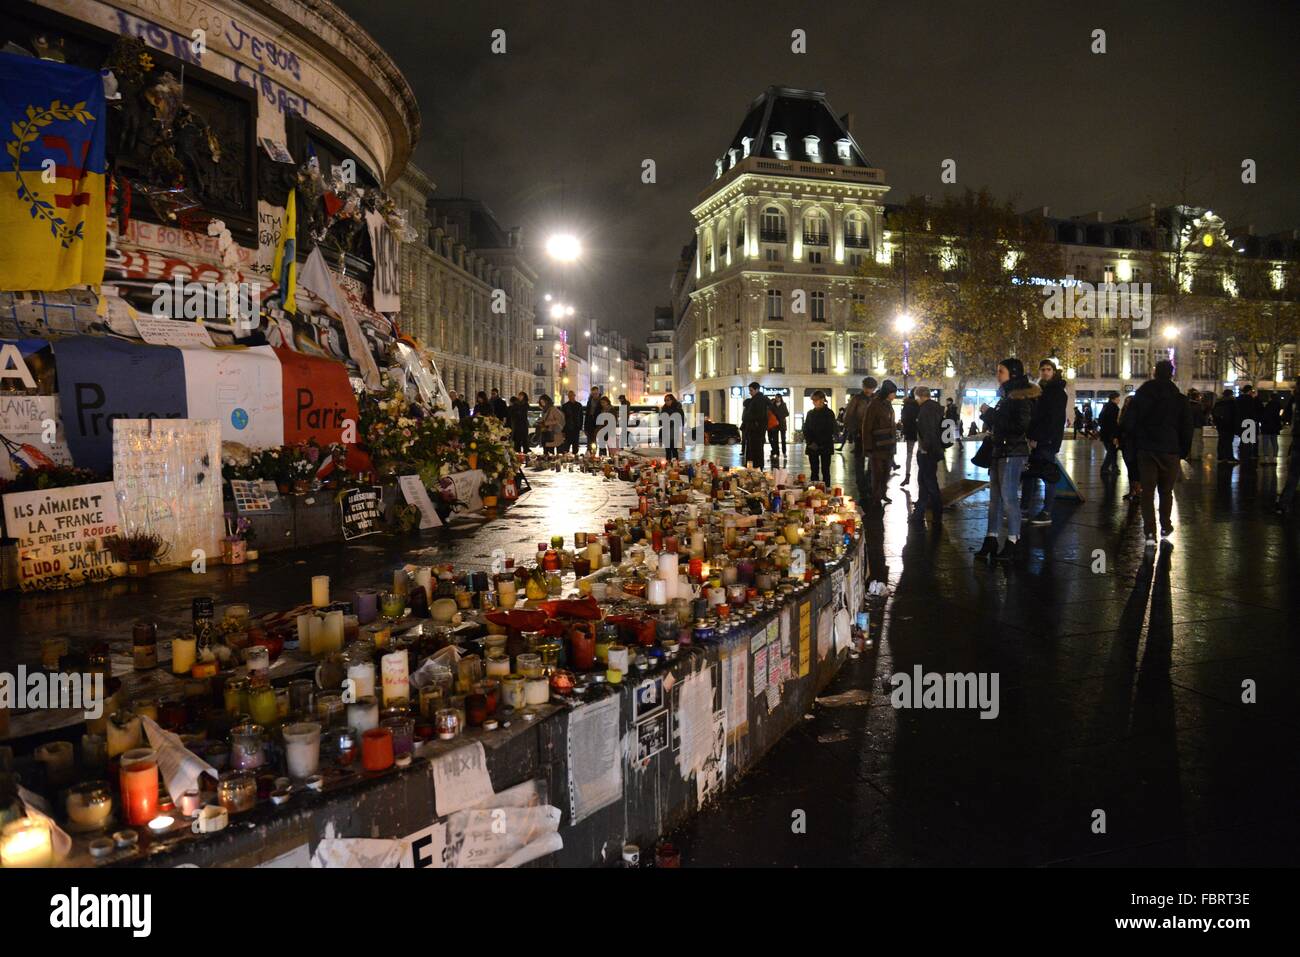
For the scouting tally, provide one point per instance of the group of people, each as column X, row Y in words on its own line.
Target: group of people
column 763, row 420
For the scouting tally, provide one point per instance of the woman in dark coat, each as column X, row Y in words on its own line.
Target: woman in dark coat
column 1008, row 425
column 672, row 425
column 481, row 404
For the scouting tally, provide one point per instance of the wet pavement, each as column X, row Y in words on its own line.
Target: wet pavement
column 1120, row 691
column 1120, row 688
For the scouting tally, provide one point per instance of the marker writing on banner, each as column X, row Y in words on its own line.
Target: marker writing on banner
column 326, row 417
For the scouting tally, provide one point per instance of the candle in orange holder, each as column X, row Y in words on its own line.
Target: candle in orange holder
column 377, row 749
column 139, row 780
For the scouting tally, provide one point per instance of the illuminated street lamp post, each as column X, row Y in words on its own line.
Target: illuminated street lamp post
column 904, row 325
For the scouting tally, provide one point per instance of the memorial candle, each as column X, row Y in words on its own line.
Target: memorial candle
column 302, row 749
column 183, row 652
column 668, row 572
column 363, row 714
column 26, row 842
column 594, row 551
column 362, row 676
column 394, row 668
column 139, row 781
column 320, row 590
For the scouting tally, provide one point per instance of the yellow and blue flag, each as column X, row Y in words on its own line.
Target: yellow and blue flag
column 284, row 269
column 52, row 122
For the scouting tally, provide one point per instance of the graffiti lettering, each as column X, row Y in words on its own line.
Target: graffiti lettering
column 158, row 38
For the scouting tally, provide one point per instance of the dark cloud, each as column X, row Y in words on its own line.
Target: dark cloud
column 554, row 132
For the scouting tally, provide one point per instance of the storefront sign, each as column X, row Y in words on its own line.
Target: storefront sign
column 363, row 511
column 60, row 534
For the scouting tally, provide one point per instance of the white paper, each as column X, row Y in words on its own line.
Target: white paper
column 161, row 331
column 460, row 778
column 595, row 758
column 358, row 852
column 179, row 766
column 695, row 721
column 416, row 494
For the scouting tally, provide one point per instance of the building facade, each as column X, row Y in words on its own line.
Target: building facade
column 772, row 287
column 572, row 352
column 467, row 290
column 660, row 364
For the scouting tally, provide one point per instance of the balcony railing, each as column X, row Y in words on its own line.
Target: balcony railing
column 816, row 239
column 773, row 235
column 856, row 242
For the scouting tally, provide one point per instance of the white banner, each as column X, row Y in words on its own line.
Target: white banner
column 240, row 388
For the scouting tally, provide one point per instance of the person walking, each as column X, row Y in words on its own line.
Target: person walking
column 573, row 416
column 1008, row 425
column 608, row 419
column 1078, row 420
column 843, row 436
column 517, row 415
column 1158, row 424
column 929, row 452
column 672, row 423
column 1197, row 408
column 776, row 435
column 1089, row 425
column 1291, row 417
column 1270, row 427
column 1128, row 452
column 819, row 437
column 907, row 419
column 551, row 425
column 589, row 423
column 1248, row 407
column 1225, row 423
column 499, row 407
column 1108, row 431
column 1046, row 433
column 753, row 425
column 853, row 415
column 880, row 439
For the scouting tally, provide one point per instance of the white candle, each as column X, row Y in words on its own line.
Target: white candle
column 618, row 658
column 424, row 579
column 506, row 597
column 320, row 590
column 302, row 749
column 304, row 632
column 363, row 714
column 657, row 592
column 315, row 635
column 396, row 678
column 594, row 552
column 183, row 650
column 537, row 691
column 57, row 758
column 668, row 572
column 26, row 842
column 697, row 544
column 362, row 676
column 332, row 633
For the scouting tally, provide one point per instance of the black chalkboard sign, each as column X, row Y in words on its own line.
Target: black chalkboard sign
column 363, row 511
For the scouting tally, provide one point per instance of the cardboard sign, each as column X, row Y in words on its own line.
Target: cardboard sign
column 60, row 534
column 162, row 331
column 363, row 511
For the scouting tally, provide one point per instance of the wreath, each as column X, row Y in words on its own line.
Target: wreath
column 27, row 133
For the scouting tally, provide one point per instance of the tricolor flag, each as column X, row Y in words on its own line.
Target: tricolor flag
column 51, row 175
column 285, row 266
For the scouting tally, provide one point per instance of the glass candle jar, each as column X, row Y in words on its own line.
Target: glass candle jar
column 447, row 724
column 431, row 701
column 497, row 664
column 537, row 691
column 247, row 746
column 391, row 604
column 529, row 665
column 90, row 805
column 302, row 749
column 258, row 659
column 26, row 842
column 476, row 709
column 403, row 735
column 262, row 706
column 377, row 749
column 363, row 714
column 237, row 791
column 329, row 708
column 301, row 696
column 512, row 691
column 489, row 688
column 139, row 783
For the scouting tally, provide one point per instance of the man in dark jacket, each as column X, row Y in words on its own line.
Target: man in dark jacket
column 1291, row 417
column 819, row 437
column 1225, row 423
column 499, row 407
column 880, row 439
column 753, row 425
column 574, row 415
column 1270, row 427
column 589, row 423
column 776, row 436
column 1046, row 432
column 853, row 413
column 1008, row 425
column 929, row 452
column 1108, row 431
column 1248, row 407
column 1159, row 423
column 907, row 420
column 460, row 405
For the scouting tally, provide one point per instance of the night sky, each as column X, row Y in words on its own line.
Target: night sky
column 553, row 133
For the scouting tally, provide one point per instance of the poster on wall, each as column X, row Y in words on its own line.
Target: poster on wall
column 241, row 389
column 362, row 510
column 30, row 432
column 168, row 478
column 60, row 534
column 595, row 768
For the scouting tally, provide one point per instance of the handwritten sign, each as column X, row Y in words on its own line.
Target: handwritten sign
column 363, row 511
column 60, row 534
column 162, row 331
column 460, row 779
column 416, row 494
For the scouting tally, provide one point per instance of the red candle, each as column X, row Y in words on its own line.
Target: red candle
column 645, row 633
column 377, row 749
column 139, row 780
column 476, row 709
column 695, row 569
column 615, row 548
column 657, row 539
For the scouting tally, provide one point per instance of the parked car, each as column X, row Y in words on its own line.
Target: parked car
column 721, row 433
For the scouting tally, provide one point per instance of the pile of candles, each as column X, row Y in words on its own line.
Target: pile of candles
column 432, row 654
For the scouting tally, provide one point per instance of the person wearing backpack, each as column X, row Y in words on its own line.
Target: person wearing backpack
column 930, row 421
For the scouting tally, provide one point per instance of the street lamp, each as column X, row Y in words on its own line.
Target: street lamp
column 563, row 247
column 1171, row 337
column 904, row 325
